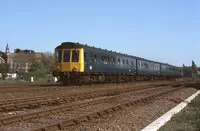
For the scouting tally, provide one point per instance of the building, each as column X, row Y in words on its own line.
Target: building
column 2, row 60
column 2, row 57
column 19, row 60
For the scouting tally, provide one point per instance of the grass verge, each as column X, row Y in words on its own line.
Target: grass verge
column 186, row 120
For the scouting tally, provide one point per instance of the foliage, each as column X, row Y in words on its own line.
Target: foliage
column 190, row 70
column 36, row 67
column 39, row 68
column 187, row 71
column 186, row 120
column 194, row 68
column 46, row 61
column 4, row 69
column 21, row 60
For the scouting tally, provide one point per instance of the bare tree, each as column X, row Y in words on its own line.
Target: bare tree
column 46, row 60
column 4, row 69
column 22, row 61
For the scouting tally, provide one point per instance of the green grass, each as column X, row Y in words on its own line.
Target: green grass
column 15, row 81
column 186, row 120
column 12, row 81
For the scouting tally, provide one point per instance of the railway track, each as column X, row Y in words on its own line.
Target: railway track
column 53, row 87
column 82, row 111
column 36, row 102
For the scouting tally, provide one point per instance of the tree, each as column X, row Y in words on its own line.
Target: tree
column 187, row 71
column 4, row 69
column 41, row 68
column 46, row 60
column 194, row 68
column 36, row 67
column 21, row 61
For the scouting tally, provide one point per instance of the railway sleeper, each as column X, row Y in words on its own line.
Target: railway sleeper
column 117, row 108
column 81, row 119
column 43, row 102
column 74, row 107
column 110, row 110
column 55, row 111
column 64, row 109
column 102, row 113
column 34, row 105
column 11, row 119
column 68, row 123
column 22, row 105
column 60, row 101
column 29, row 116
column 44, row 113
column 53, row 102
column 52, row 127
column 84, row 104
column 93, row 115
column 8, row 108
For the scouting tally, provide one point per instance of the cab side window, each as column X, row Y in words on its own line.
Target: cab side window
column 85, row 55
column 66, row 57
column 75, row 56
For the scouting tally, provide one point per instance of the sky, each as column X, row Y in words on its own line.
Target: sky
column 161, row 30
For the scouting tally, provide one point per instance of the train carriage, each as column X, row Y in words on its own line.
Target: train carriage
column 98, row 60
column 148, row 67
column 78, row 63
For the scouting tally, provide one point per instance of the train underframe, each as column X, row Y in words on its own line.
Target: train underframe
column 75, row 78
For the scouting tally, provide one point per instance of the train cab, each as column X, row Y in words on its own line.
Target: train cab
column 69, row 57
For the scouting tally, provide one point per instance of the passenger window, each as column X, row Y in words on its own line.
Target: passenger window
column 109, row 60
column 95, row 57
column 113, row 60
column 58, row 56
column 132, row 63
column 66, row 56
column 75, row 56
column 106, row 60
column 102, row 58
column 91, row 58
column 123, row 61
column 118, row 61
column 127, row 62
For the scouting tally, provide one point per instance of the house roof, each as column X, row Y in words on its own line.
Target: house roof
column 2, row 53
column 1, row 59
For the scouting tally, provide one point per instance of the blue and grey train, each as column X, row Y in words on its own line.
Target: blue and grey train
column 78, row 63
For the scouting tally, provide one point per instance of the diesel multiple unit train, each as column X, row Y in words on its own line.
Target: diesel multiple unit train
column 76, row 63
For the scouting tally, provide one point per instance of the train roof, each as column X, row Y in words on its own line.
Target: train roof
column 78, row 45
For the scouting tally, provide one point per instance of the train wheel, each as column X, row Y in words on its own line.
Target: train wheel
column 80, row 83
column 91, row 82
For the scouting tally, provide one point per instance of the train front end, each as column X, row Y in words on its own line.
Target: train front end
column 68, row 62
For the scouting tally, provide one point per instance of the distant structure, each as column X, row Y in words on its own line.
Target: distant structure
column 2, row 57
column 7, row 51
column 20, row 60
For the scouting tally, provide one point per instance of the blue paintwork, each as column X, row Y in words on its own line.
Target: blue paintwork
column 143, row 66
column 140, row 66
column 113, row 67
